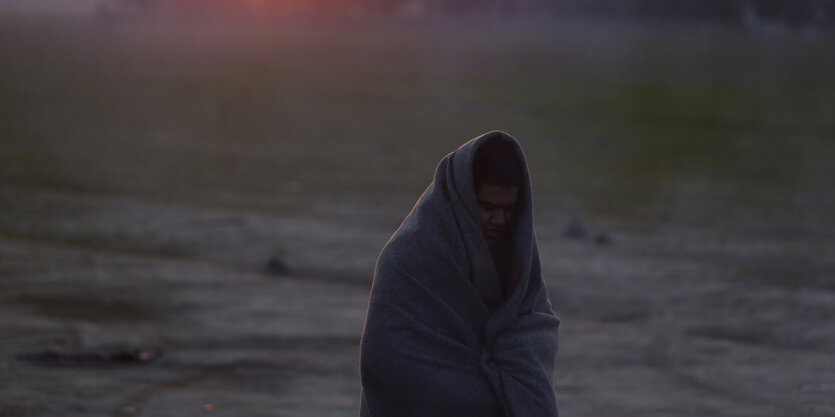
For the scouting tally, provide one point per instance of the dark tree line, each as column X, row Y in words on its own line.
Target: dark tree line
column 793, row 13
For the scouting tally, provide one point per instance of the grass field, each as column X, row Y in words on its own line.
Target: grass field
column 612, row 116
column 149, row 169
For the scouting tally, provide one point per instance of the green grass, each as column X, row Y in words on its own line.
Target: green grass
column 617, row 119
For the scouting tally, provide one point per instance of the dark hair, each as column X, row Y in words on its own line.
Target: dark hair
column 496, row 163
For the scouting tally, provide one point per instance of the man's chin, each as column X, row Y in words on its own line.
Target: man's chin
column 491, row 242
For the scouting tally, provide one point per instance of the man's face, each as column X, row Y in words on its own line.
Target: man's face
column 495, row 209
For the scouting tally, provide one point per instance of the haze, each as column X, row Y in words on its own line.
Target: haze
column 48, row 6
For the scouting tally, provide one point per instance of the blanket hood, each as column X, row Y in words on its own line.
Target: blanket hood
column 462, row 194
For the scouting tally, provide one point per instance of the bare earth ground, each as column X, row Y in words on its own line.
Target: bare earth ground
column 129, row 219
column 660, row 332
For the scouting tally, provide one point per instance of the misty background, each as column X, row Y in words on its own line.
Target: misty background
column 193, row 195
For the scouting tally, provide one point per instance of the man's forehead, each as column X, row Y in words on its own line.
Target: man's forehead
column 497, row 194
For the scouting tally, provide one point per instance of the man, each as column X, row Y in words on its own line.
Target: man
column 459, row 322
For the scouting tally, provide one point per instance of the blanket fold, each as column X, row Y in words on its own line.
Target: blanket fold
column 432, row 346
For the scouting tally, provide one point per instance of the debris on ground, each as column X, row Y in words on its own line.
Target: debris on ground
column 95, row 358
column 275, row 266
column 576, row 229
column 603, row 239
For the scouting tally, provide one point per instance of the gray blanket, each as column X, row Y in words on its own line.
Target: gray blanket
column 431, row 346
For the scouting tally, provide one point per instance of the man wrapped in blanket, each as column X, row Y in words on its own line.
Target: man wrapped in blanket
column 459, row 322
